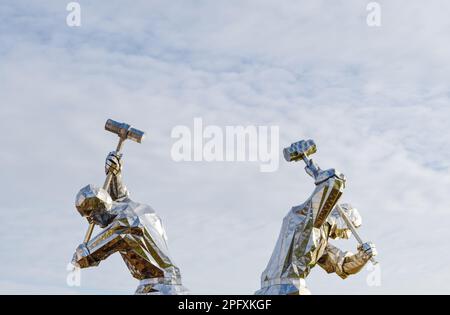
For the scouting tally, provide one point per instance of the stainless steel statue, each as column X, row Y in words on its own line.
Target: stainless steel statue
column 303, row 240
column 132, row 229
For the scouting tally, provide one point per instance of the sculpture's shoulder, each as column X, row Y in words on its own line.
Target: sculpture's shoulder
column 142, row 209
column 300, row 212
column 127, row 210
column 139, row 215
column 298, row 218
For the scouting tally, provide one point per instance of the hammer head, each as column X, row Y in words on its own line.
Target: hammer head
column 300, row 149
column 124, row 131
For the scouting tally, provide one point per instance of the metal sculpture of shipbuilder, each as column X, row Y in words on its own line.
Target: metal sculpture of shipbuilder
column 130, row 228
column 303, row 240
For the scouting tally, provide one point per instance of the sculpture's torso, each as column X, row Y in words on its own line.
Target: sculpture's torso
column 145, row 250
column 137, row 233
column 300, row 245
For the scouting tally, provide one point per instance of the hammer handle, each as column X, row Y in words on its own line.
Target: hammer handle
column 106, row 184
column 353, row 229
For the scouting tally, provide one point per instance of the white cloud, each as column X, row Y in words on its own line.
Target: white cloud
column 375, row 101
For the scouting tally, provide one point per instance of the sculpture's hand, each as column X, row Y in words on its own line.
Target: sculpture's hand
column 113, row 163
column 368, row 249
column 81, row 257
column 354, row 263
column 113, row 166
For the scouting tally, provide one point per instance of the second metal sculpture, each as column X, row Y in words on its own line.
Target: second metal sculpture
column 303, row 239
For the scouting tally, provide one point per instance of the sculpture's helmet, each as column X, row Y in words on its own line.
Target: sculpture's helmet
column 92, row 199
column 339, row 227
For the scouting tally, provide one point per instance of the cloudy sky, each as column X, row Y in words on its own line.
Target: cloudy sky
column 375, row 100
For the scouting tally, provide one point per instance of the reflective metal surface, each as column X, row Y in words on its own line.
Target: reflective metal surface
column 306, row 229
column 131, row 229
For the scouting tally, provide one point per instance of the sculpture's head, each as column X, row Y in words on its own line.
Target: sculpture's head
column 339, row 228
column 94, row 203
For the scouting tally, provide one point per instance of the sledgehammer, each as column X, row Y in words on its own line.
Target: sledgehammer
column 124, row 131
